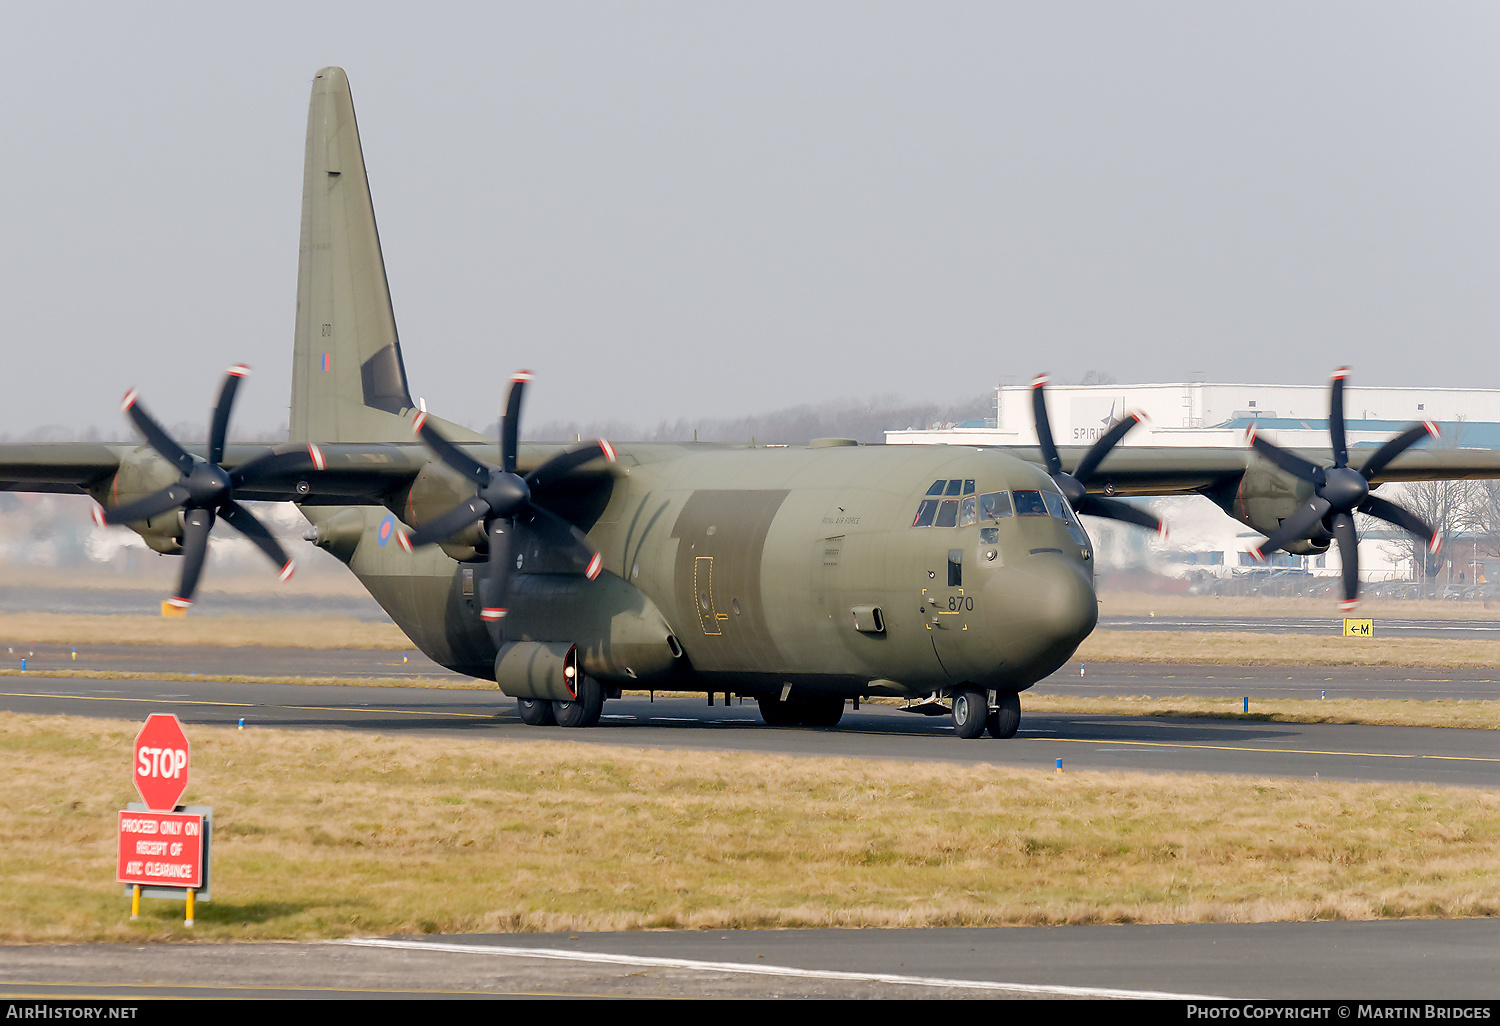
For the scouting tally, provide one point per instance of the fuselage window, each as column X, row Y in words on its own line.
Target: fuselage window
column 937, row 488
column 967, row 511
column 1029, row 503
column 947, row 515
column 969, row 486
column 953, row 487
column 994, row 505
column 925, row 513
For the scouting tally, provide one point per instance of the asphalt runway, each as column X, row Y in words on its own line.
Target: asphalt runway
column 1309, row 682
column 1467, row 758
column 1349, row 961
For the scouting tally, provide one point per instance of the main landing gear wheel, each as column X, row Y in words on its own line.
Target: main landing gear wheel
column 971, row 711
column 536, row 712
column 777, row 713
column 1006, row 720
column 821, row 711
column 815, row 711
column 585, row 709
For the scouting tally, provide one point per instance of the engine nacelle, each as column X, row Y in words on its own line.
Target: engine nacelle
column 141, row 473
column 435, row 490
column 1264, row 496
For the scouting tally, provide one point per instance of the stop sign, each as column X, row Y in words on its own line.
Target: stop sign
column 161, row 762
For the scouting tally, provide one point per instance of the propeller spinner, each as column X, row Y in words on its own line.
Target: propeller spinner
column 1074, row 486
column 504, row 502
column 1340, row 491
column 205, row 490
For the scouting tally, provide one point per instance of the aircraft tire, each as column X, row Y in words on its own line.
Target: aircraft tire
column 1006, row 720
column 822, row 711
column 585, row 710
column 971, row 712
column 777, row 713
column 535, row 712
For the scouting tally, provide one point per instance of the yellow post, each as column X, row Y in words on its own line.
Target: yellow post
column 190, row 908
column 135, row 903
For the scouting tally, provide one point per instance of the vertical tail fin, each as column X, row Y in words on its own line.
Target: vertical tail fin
column 348, row 380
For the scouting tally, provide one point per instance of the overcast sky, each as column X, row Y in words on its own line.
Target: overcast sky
column 709, row 209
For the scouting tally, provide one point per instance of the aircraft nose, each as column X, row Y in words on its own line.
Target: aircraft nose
column 1040, row 609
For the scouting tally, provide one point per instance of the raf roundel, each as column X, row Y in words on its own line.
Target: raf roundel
column 387, row 528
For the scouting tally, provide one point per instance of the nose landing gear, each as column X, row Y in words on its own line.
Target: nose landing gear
column 975, row 711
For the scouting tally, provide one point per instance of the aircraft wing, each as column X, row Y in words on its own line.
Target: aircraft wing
column 1182, row 470
column 58, row 466
column 351, row 473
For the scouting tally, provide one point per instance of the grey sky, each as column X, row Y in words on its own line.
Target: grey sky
column 706, row 209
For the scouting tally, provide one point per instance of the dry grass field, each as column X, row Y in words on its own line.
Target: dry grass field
column 1249, row 648
column 326, row 835
column 1131, row 603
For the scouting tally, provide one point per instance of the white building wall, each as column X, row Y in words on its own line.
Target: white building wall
column 1184, row 413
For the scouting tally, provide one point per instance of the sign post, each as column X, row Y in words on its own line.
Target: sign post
column 164, row 848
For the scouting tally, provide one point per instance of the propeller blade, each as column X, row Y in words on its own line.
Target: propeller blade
column 496, row 586
column 449, row 453
column 566, row 462
column 1348, row 542
column 1396, row 446
column 155, row 436
column 1336, row 418
column 1391, row 513
column 1101, row 448
column 450, row 523
column 1111, row 509
column 1298, row 525
column 1043, row 426
column 144, row 509
column 220, row 426
column 510, row 424
column 248, row 524
column 565, row 538
column 1287, row 461
column 196, row 525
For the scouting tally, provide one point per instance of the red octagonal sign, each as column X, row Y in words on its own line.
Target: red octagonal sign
column 161, row 762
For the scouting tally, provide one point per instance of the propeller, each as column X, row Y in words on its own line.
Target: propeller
column 205, row 490
column 1074, row 486
column 504, row 503
column 1340, row 491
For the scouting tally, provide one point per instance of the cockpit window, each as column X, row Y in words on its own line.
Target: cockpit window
column 1057, row 507
column 994, row 506
column 1029, row 503
column 953, row 503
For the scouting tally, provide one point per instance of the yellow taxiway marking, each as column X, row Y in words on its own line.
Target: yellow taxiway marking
column 249, row 705
column 1263, row 751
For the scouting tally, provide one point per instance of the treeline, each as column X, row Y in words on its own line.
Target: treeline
column 864, row 421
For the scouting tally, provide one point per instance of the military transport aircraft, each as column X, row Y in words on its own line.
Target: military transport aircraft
column 804, row 577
